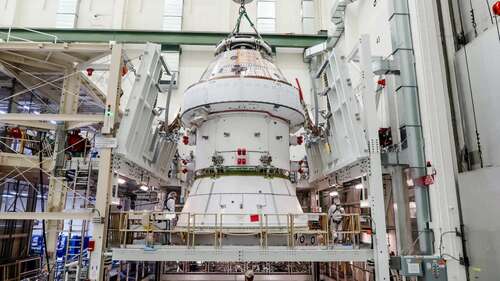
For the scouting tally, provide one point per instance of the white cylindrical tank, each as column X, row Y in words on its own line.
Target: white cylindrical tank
column 241, row 114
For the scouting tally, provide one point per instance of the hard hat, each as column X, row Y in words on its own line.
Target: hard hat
column 249, row 273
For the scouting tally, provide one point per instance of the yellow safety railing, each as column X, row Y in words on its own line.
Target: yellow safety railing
column 222, row 225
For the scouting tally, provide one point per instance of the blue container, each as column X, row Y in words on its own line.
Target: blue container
column 61, row 246
column 37, row 244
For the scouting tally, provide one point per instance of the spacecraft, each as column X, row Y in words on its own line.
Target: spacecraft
column 241, row 116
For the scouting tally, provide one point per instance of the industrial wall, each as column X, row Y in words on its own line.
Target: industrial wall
column 473, row 47
column 477, row 66
column 193, row 15
column 435, row 109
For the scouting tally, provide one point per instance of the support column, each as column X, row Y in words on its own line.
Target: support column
column 56, row 198
column 375, row 180
column 105, row 178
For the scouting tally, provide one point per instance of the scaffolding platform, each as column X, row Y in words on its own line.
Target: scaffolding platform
column 241, row 254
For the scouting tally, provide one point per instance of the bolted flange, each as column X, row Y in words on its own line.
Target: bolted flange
column 244, row 1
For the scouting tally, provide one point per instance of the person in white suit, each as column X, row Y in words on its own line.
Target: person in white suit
column 336, row 214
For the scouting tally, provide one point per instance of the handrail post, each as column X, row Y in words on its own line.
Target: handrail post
column 188, row 229
column 221, row 234
column 215, row 231
column 260, row 227
column 194, row 230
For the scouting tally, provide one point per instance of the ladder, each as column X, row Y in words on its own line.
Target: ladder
column 75, row 261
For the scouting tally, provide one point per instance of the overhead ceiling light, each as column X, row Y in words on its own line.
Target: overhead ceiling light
column 359, row 186
column 26, row 107
column 144, row 188
column 334, row 193
column 121, row 181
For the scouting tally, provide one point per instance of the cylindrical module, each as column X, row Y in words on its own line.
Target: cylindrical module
column 240, row 116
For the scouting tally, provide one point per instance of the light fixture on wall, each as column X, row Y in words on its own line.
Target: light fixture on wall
column 359, row 186
column 115, row 201
column 364, row 204
column 334, row 193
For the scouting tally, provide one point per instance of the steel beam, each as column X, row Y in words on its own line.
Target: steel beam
column 31, row 124
column 11, row 117
column 15, row 160
column 241, row 254
column 82, row 215
column 37, row 46
column 168, row 39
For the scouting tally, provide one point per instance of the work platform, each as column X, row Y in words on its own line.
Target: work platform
column 241, row 254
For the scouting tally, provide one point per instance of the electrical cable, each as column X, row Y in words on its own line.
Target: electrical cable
column 441, row 240
column 441, row 254
column 471, row 92
column 489, row 10
column 498, row 28
column 478, row 140
column 452, row 257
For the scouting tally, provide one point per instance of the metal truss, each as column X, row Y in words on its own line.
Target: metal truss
column 170, row 40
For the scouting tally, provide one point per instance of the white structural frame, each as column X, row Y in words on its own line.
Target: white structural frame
column 375, row 181
column 366, row 161
column 140, row 144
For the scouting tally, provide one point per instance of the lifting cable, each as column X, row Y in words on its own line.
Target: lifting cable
column 243, row 14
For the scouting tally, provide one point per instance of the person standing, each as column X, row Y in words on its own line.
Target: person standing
column 249, row 275
column 336, row 214
column 170, row 202
column 170, row 207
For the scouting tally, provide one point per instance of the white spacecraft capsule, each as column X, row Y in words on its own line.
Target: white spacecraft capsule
column 241, row 114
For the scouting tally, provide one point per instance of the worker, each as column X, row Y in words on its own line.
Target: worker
column 170, row 207
column 170, row 202
column 76, row 144
column 336, row 214
column 15, row 135
column 249, row 275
